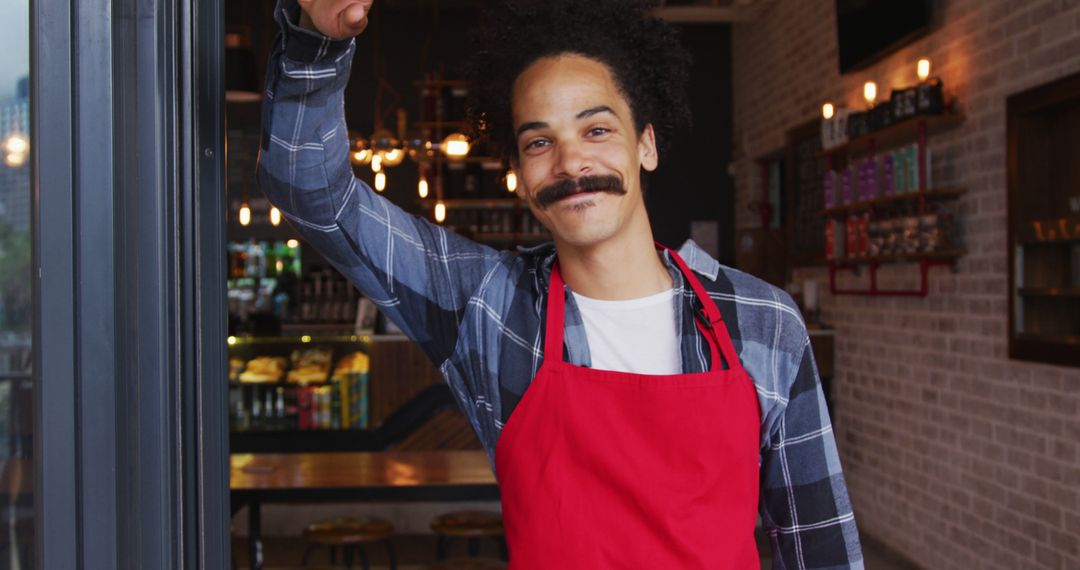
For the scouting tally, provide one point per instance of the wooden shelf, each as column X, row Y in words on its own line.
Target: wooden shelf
column 898, row 134
column 885, row 201
column 1049, row 292
column 1045, row 338
column 899, row 257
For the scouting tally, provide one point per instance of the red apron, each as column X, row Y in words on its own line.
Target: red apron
column 602, row 469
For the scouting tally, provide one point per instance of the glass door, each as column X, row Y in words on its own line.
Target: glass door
column 17, row 513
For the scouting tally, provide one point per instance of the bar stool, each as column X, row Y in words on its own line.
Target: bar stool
column 469, row 564
column 471, row 526
column 351, row 534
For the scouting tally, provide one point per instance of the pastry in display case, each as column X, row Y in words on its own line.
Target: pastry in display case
column 309, row 365
column 263, row 369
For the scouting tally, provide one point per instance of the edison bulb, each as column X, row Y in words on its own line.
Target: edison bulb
column 828, row 110
column 376, row 162
column 456, row 146
column 923, row 69
column 275, row 216
column 870, row 92
column 393, row 157
column 362, row 157
column 293, row 243
column 245, row 214
column 440, row 212
column 422, row 187
column 511, row 181
column 380, row 181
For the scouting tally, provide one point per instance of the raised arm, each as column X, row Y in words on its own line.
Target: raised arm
column 420, row 275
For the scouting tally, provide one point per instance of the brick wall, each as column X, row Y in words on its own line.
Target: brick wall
column 955, row 456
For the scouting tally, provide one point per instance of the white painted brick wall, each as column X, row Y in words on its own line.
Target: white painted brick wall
column 955, row 456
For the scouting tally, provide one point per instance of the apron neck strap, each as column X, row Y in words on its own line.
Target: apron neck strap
column 710, row 322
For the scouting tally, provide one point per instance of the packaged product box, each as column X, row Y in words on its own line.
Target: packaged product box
column 846, row 186
column 828, row 185
column 900, row 183
column 887, row 175
column 911, row 162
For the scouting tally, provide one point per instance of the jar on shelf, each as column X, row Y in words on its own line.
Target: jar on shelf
column 930, row 233
column 910, row 236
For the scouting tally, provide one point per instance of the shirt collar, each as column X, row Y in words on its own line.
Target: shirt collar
column 696, row 259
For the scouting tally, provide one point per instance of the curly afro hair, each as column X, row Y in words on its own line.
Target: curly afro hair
column 645, row 56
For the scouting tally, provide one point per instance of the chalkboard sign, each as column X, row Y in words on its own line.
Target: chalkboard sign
column 806, row 195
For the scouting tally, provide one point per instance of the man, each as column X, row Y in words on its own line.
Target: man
column 641, row 406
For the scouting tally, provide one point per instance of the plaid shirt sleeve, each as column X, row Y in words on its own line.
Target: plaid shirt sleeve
column 420, row 275
column 805, row 508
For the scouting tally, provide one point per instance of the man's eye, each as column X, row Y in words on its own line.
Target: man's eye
column 597, row 131
column 535, row 144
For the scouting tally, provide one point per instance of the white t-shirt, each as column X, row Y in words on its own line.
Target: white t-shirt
column 637, row 335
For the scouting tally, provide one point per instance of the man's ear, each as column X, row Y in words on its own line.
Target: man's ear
column 647, row 153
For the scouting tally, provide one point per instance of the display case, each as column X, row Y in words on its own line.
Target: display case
column 298, row 384
column 340, row 393
column 1044, row 223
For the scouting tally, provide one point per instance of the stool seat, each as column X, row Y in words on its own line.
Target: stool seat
column 469, row 564
column 349, row 531
column 468, row 524
column 350, row 534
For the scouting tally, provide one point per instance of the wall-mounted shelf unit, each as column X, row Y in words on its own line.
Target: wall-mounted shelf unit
column 914, row 227
column 1044, row 223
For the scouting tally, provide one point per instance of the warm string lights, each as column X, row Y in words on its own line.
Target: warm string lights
column 870, row 89
column 870, row 92
column 828, row 110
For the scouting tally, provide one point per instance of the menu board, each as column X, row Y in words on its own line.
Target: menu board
column 806, row 195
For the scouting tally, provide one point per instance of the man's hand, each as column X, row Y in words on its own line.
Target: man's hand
column 336, row 19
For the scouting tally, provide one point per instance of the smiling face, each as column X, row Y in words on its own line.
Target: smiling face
column 579, row 155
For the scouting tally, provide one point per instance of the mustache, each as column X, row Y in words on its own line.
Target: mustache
column 552, row 193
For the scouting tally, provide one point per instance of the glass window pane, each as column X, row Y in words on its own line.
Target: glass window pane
column 16, row 375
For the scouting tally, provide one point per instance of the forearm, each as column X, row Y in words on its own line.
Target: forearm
column 805, row 506
column 401, row 262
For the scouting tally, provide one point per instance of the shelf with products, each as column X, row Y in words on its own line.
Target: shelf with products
column 504, row 222
column 886, row 202
column 896, row 135
column 1044, row 222
column 332, row 393
column 277, row 286
column 881, row 205
column 298, row 383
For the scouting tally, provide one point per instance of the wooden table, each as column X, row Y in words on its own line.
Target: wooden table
column 355, row 476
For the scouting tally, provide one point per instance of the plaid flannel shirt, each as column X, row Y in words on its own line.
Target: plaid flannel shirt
column 479, row 313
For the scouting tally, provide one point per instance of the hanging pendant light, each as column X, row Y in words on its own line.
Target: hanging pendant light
column 456, row 146
column 245, row 213
column 422, row 187
column 511, row 181
column 440, row 212
column 380, row 181
column 275, row 216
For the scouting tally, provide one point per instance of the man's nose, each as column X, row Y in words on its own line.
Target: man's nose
column 572, row 160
